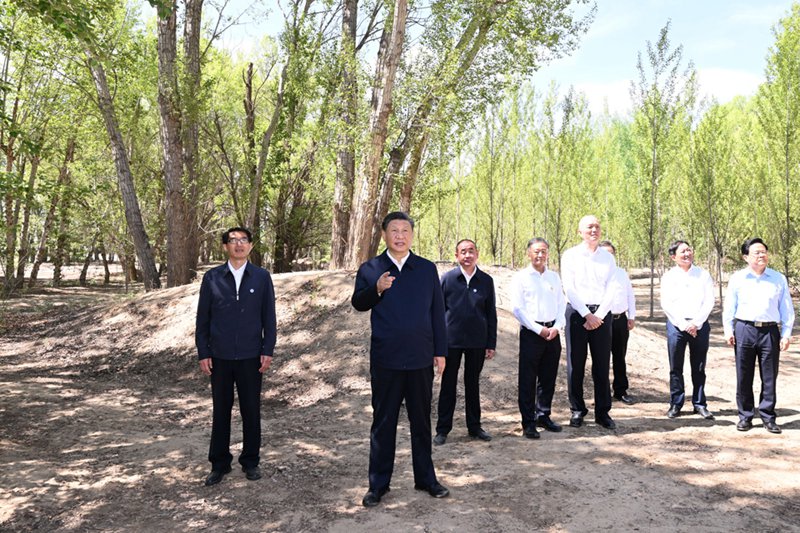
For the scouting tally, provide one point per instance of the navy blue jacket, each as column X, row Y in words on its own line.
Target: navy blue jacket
column 408, row 328
column 235, row 328
column 470, row 310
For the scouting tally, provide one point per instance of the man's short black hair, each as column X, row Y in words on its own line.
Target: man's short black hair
column 750, row 242
column 466, row 240
column 226, row 235
column 396, row 215
column 608, row 244
column 673, row 248
column 537, row 240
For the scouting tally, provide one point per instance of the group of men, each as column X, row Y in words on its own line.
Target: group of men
column 420, row 322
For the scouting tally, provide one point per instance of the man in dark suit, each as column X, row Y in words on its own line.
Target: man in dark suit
column 471, row 317
column 408, row 337
column 235, row 337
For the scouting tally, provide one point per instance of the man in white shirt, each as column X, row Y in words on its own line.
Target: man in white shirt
column 687, row 298
column 587, row 271
column 758, row 316
column 537, row 301
column 623, row 320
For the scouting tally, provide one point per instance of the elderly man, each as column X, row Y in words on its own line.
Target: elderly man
column 587, row 271
column 623, row 316
column 469, row 305
column 408, row 338
column 235, row 337
column 537, row 302
column 687, row 298
column 757, row 317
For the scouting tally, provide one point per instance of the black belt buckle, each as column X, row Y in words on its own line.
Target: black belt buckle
column 760, row 324
column 618, row 315
column 592, row 308
column 547, row 324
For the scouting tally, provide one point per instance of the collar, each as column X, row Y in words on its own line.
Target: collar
column 530, row 270
column 405, row 261
column 237, row 271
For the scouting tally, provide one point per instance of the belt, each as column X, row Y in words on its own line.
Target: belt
column 617, row 315
column 546, row 324
column 758, row 323
column 592, row 308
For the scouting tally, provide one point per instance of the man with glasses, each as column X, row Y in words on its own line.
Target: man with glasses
column 757, row 317
column 687, row 298
column 235, row 337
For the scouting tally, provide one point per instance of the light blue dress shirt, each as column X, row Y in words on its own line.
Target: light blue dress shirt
column 764, row 298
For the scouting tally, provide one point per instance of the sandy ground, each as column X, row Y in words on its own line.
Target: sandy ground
column 105, row 422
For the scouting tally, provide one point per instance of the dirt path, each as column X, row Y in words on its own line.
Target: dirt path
column 105, row 420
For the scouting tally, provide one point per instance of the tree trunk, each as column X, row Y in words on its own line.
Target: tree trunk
column 346, row 169
column 51, row 212
column 104, row 257
column 24, row 244
column 133, row 215
column 176, row 208
column 363, row 210
column 61, row 254
column 191, row 46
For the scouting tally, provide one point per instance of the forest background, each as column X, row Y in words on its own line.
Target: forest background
column 143, row 138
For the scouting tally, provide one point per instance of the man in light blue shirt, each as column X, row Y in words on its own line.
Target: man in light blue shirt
column 757, row 317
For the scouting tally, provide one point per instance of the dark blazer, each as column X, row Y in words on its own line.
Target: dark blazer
column 470, row 310
column 408, row 327
column 235, row 327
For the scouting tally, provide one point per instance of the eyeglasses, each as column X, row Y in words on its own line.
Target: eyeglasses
column 234, row 240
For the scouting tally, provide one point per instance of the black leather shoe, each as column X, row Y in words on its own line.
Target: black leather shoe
column 482, row 435
column 546, row 423
column 253, row 473
column 437, row 490
column 216, row 476
column 530, row 432
column 674, row 411
column 576, row 421
column 704, row 412
column 439, row 439
column 606, row 422
column 772, row 427
column 626, row 399
column 373, row 497
column 744, row 425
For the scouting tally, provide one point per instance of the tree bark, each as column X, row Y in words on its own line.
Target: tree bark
column 346, row 168
column 363, row 210
column 24, row 244
column 176, row 208
column 133, row 214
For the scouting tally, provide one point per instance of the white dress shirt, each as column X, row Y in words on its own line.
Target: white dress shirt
column 764, row 298
column 237, row 275
column 587, row 276
column 467, row 277
column 399, row 264
column 536, row 298
column 687, row 295
column 622, row 299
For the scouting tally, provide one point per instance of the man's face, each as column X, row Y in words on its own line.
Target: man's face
column 398, row 237
column 238, row 247
column 758, row 257
column 684, row 256
column 589, row 230
column 467, row 255
column 538, row 253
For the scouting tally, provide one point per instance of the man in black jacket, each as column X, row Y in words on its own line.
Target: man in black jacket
column 235, row 337
column 471, row 316
column 408, row 337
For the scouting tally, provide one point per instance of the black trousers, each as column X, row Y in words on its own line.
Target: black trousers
column 762, row 344
column 538, row 368
column 677, row 341
column 619, row 349
column 389, row 389
column 244, row 374
column 579, row 342
column 473, row 365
